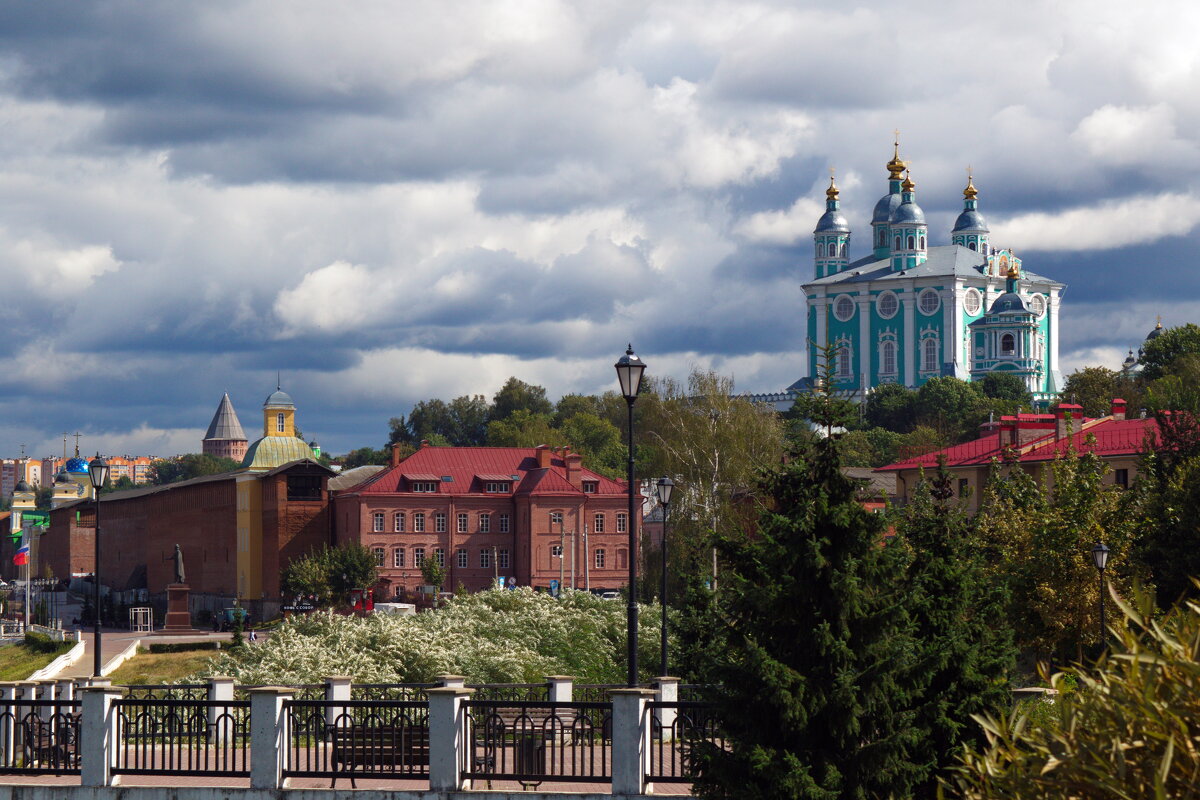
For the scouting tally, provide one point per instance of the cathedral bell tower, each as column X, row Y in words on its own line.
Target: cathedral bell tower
column 831, row 236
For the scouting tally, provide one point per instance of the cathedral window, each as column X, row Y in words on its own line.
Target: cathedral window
column 887, row 358
column 897, row 242
column 972, row 301
column 279, row 423
column 929, row 301
column 912, row 243
column 887, row 305
column 843, row 252
column 820, row 250
column 1037, row 304
column 844, row 366
column 843, row 308
column 1008, row 344
column 971, row 245
column 929, row 354
column 921, row 243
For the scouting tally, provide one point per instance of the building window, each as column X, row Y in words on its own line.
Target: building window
column 1121, row 478
column 963, row 484
column 887, row 358
column 398, row 522
column 972, row 301
column 485, row 523
column 424, row 487
column 897, row 243
column 502, row 559
column 971, row 245
column 1037, row 304
column 556, row 518
column 485, row 558
column 439, row 522
column 599, row 525
column 419, row 522
column 398, row 558
column 886, row 305
column 497, row 487
column 591, row 487
column 622, row 523
column 504, row 523
column 921, row 243
column 556, row 551
column 844, row 366
column 463, row 559
column 929, row 355
column 599, row 558
column 912, row 243
column 279, row 423
column 418, row 557
column 439, row 556
column 1008, row 344
column 304, row 487
column 462, row 523
column 929, row 301
column 843, row 307
column 378, row 553
column 377, row 522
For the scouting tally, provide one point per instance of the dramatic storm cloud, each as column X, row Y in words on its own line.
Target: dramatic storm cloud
column 387, row 202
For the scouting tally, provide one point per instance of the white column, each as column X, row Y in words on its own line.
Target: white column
column 98, row 736
column 447, row 739
column 952, row 303
column 1052, row 332
column 220, row 720
column 668, row 692
column 562, row 688
column 337, row 690
column 630, row 741
column 909, row 344
column 8, row 718
column 864, row 342
column 45, row 691
column 268, row 728
column 820, row 308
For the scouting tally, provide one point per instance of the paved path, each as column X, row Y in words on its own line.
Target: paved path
column 113, row 643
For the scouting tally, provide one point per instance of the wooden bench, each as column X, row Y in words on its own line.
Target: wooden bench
column 379, row 747
column 45, row 743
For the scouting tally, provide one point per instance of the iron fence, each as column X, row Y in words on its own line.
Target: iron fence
column 356, row 739
column 594, row 692
column 408, row 692
column 39, row 737
column 158, row 736
column 166, row 691
column 531, row 742
column 677, row 731
column 511, row 692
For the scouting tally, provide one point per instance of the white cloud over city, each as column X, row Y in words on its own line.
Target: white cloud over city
column 389, row 202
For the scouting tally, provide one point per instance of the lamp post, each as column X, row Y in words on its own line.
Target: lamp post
column 665, row 487
column 629, row 375
column 98, row 474
column 1100, row 559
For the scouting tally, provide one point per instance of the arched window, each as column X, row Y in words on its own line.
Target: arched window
column 922, row 243
column 882, row 238
column 843, row 250
column 887, row 358
column 971, row 245
column 912, row 243
column 897, row 242
column 843, row 360
column 929, row 355
column 1008, row 344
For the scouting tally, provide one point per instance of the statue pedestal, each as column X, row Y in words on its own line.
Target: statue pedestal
column 179, row 618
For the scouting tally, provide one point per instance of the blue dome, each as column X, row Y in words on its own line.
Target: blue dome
column 884, row 208
column 970, row 220
column 77, row 465
column 279, row 399
column 832, row 221
column 1009, row 303
column 906, row 214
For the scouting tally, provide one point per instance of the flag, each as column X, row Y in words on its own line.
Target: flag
column 22, row 556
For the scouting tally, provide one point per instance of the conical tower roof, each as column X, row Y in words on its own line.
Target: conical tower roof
column 225, row 424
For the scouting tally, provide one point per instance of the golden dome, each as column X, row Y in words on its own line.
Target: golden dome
column 832, row 191
column 896, row 166
column 908, row 184
column 970, row 193
column 1012, row 270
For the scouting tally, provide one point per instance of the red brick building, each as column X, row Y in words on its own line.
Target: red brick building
column 520, row 513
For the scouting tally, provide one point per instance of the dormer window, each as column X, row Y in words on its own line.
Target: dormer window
column 428, row 487
column 497, row 487
column 591, row 487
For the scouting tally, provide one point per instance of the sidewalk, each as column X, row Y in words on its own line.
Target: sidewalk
column 114, row 641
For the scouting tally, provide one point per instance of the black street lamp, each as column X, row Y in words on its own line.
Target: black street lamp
column 98, row 474
column 1100, row 559
column 629, row 374
column 665, row 487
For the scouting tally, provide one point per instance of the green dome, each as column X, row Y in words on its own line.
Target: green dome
column 275, row 451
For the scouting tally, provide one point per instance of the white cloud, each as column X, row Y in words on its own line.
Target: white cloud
column 1120, row 135
column 1117, row 223
column 785, row 227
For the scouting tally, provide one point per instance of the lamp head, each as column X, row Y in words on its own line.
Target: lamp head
column 98, row 472
column 665, row 487
column 629, row 374
column 1100, row 556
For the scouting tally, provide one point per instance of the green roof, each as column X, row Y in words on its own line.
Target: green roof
column 275, row 451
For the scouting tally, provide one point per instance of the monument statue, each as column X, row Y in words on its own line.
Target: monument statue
column 180, row 575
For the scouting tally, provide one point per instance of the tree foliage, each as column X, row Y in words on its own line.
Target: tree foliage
column 1094, row 388
column 1159, row 353
column 185, row 467
column 1006, row 387
column 516, row 395
column 331, row 572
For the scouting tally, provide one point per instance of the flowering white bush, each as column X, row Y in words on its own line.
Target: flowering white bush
column 498, row 636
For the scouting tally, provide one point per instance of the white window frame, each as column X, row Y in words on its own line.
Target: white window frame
column 889, row 294
column 463, row 521
column 485, row 558
column 556, row 518
column 439, row 522
column 887, row 348
column 280, row 422
column 598, row 522
column 972, row 297
column 485, row 522
column 505, row 523
column 398, row 522
column 843, row 359
column 921, row 302
column 380, row 554
column 418, row 557
column 418, row 522
column 464, row 558
column 439, row 556
column 556, row 551
column 622, row 522
column 598, row 558
column 377, row 522
column 1012, row 351
column 502, row 558
column 838, row 304
column 930, row 345
column 1037, row 304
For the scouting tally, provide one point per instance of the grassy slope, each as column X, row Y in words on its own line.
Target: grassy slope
column 160, row 667
column 18, row 662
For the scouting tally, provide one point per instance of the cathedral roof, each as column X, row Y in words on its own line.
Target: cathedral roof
column 225, row 424
column 884, row 208
column 908, row 212
column 970, row 220
column 945, row 260
column 274, row 451
column 279, row 399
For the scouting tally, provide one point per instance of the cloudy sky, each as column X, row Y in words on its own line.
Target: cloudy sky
column 390, row 201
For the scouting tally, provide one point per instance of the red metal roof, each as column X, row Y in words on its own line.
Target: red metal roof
column 468, row 465
column 1112, row 438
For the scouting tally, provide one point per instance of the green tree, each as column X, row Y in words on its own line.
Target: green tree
column 1159, row 353
column 516, row 395
column 964, row 645
column 809, row 642
column 523, row 428
column 308, row 576
column 952, row 407
column 1094, row 388
column 433, row 573
column 399, row 432
column 364, row 456
column 571, row 404
column 891, row 406
column 331, row 572
column 598, row 441
column 1007, row 387
column 185, row 467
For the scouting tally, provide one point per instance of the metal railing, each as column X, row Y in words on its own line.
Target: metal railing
column 409, row 692
column 166, row 691
column 531, row 742
column 356, row 739
column 157, row 736
column 39, row 737
column 511, row 692
column 594, row 692
column 676, row 732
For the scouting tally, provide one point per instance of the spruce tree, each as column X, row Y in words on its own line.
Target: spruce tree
column 964, row 643
column 807, row 643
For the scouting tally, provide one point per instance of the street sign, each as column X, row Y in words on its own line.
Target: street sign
column 554, row 587
column 512, row 582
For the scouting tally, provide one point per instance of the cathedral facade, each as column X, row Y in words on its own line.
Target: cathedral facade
column 910, row 311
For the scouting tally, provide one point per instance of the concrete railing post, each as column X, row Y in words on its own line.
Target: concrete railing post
column 268, row 736
column 452, row 681
column 668, row 692
column 8, row 719
column 98, row 736
column 45, row 691
column 630, row 741
column 338, row 690
column 561, row 689
column 221, row 721
column 448, row 741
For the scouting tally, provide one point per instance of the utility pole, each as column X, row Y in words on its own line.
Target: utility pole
column 587, row 575
column 573, row 559
column 562, row 556
column 496, row 565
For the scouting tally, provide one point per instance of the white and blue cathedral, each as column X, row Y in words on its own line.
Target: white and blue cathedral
column 909, row 311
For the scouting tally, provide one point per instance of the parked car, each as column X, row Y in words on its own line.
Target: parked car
column 610, row 595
